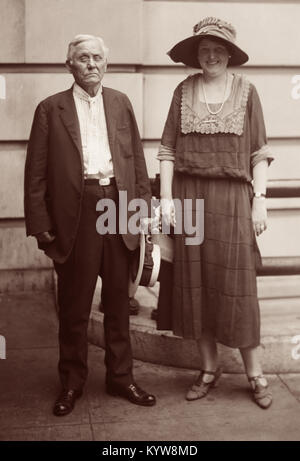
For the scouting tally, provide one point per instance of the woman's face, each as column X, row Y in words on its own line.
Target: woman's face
column 213, row 57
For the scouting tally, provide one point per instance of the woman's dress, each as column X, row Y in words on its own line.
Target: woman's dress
column 214, row 283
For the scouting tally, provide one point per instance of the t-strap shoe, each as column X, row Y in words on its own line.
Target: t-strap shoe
column 200, row 388
column 262, row 395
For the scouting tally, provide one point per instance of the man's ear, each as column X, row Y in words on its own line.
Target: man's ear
column 68, row 66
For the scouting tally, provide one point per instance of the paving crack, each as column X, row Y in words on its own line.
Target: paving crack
column 288, row 388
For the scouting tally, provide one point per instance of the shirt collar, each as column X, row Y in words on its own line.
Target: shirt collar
column 82, row 94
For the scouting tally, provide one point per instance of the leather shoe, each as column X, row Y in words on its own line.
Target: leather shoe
column 66, row 401
column 133, row 393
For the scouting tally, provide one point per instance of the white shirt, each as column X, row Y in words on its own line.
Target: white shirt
column 94, row 139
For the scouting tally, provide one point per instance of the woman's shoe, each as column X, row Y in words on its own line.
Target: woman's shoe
column 200, row 388
column 262, row 395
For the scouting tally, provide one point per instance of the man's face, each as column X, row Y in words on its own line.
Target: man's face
column 88, row 64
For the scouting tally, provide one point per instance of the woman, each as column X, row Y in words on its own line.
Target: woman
column 214, row 148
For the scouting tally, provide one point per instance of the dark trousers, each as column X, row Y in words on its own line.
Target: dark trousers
column 92, row 255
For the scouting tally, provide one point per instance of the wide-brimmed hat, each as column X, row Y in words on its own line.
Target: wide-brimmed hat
column 186, row 51
column 145, row 265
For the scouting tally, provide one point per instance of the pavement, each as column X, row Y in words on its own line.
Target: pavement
column 29, row 386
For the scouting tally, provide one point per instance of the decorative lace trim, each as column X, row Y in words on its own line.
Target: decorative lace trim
column 196, row 118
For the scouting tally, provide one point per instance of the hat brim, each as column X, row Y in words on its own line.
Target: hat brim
column 186, row 51
column 144, row 276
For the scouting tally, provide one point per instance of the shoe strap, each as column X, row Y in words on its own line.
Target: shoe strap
column 257, row 383
column 213, row 373
column 255, row 378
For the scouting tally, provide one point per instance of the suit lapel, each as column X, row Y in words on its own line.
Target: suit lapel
column 69, row 118
column 111, row 113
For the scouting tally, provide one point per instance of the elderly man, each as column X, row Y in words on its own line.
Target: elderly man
column 84, row 146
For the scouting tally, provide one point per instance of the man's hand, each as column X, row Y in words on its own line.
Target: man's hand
column 45, row 237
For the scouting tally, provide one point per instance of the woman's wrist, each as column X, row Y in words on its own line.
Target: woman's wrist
column 260, row 195
column 259, row 199
column 259, row 204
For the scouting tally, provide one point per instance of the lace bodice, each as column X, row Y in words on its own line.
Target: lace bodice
column 196, row 118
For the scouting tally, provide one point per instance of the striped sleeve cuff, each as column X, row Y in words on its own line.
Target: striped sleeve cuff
column 166, row 153
column 264, row 153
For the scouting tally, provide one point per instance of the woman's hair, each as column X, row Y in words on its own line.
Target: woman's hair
column 83, row 38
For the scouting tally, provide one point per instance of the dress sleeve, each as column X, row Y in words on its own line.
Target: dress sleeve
column 259, row 146
column 166, row 153
column 171, row 129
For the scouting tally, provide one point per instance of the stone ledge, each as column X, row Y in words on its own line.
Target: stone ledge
column 280, row 323
column 280, row 320
column 17, row 280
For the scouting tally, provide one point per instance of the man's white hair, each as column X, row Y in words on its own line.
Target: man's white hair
column 83, row 38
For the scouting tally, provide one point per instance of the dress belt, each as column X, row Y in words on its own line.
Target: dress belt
column 100, row 181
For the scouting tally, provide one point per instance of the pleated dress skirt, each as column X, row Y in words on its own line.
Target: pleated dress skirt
column 214, row 282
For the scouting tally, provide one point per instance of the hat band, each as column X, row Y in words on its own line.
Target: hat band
column 211, row 30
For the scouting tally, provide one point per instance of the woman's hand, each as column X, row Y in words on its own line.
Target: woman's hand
column 168, row 211
column 259, row 215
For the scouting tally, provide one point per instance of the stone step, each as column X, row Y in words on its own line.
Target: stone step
column 279, row 286
column 280, row 336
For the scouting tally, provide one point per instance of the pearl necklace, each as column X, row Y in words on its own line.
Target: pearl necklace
column 223, row 102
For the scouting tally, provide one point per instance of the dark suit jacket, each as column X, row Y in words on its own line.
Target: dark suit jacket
column 54, row 178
